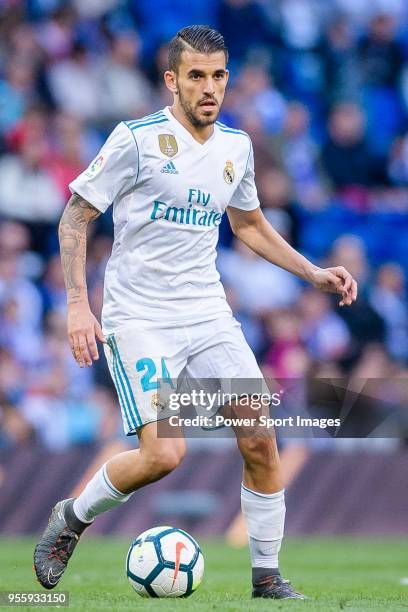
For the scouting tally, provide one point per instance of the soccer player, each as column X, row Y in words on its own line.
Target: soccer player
column 170, row 176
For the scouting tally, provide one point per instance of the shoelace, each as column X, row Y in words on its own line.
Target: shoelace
column 64, row 545
column 274, row 582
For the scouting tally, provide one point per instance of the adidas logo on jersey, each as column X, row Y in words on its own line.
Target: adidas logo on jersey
column 169, row 168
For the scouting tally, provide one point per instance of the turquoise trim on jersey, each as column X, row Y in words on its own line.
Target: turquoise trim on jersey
column 249, row 153
column 228, row 127
column 225, row 128
column 139, row 125
column 120, row 387
column 138, row 153
column 123, row 396
column 146, row 118
column 132, row 125
column 133, row 410
column 230, row 131
column 121, row 392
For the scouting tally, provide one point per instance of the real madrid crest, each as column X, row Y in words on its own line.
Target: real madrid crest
column 229, row 172
column 157, row 403
column 168, row 144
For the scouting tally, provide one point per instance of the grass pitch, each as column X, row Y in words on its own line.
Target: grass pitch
column 337, row 574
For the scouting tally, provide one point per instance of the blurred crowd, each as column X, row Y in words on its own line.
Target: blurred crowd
column 322, row 89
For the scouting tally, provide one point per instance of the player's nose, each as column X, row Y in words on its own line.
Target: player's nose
column 209, row 86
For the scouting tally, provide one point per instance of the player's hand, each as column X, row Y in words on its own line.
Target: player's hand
column 83, row 329
column 336, row 280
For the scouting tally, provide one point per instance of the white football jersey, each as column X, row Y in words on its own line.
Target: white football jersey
column 169, row 193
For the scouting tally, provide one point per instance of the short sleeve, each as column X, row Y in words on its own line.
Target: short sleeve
column 112, row 172
column 245, row 196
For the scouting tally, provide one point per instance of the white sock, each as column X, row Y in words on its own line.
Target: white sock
column 98, row 496
column 265, row 518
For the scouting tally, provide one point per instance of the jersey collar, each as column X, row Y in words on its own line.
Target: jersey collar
column 185, row 134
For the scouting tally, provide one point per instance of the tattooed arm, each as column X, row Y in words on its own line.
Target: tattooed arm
column 82, row 324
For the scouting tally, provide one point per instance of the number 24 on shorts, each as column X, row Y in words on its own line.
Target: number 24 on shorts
column 147, row 365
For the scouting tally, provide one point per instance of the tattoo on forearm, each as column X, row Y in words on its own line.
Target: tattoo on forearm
column 72, row 237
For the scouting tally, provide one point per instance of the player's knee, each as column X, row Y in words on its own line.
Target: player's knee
column 166, row 459
column 259, row 449
column 166, row 462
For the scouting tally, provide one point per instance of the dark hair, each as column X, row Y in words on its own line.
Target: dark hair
column 200, row 38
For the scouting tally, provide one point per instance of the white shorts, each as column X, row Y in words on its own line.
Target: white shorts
column 140, row 359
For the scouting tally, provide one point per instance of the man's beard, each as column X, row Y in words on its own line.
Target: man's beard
column 192, row 117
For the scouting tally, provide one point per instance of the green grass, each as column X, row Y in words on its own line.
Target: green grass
column 337, row 574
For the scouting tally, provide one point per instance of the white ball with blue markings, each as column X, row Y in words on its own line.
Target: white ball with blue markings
column 165, row 562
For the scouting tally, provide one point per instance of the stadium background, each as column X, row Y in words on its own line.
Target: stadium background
column 322, row 88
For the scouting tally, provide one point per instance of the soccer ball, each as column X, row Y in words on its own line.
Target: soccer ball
column 164, row 562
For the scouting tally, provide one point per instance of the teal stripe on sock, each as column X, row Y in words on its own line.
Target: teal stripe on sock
column 124, row 375
column 115, row 491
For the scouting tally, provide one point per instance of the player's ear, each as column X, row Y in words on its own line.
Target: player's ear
column 170, row 79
